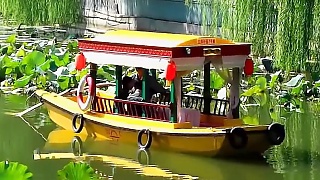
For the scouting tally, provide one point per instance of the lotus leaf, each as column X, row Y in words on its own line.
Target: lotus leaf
column 21, row 53
column 262, row 83
column 51, row 76
column 216, row 81
column 31, row 61
column 8, row 63
column 72, row 46
column 23, row 81
column 274, row 78
column 46, row 65
column 10, row 50
column 77, row 171
column 14, row 170
column 11, row 39
column 81, row 73
column 104, row 75
column 251, row 120
column 63, row 82
column 41, row 81
column 317, row 83
column 294, row 81
column 61, row 60
column 62, row 71
column 250, row 92
column 262, row 98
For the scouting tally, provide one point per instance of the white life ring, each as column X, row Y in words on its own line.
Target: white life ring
column 85, row 105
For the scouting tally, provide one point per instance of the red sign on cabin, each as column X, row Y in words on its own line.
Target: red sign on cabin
column 205, row 41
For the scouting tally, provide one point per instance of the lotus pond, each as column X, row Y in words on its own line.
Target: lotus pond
column 32, row 142
column 30, row 149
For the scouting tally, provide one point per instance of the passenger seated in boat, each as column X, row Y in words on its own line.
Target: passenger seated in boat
column 154, row 87
column 135, row 94
column 127, row 84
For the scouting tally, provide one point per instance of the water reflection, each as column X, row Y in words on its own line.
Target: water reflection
column 64, row 144
column 296, row 159
column 58, row 147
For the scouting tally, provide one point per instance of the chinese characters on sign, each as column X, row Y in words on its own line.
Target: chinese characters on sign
column 205, row 41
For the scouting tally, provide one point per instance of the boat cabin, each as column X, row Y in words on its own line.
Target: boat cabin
column 177, row 55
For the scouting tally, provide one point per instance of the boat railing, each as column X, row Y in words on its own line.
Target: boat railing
column 151, row 111
column 218, row 107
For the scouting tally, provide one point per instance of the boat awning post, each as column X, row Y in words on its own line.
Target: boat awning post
column 93, row 73
column 173, row 100
column 118, row 79
column 118, row 74
column 153, row 73
column 145, row 87
column 235, row 94
column 206, row 87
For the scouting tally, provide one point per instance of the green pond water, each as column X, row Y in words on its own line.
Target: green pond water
column 297, row 158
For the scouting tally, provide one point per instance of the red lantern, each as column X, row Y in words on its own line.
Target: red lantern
column 248, row 67
column 80, row 61
column 171, row 71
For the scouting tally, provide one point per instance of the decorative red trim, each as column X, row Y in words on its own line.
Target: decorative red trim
column 124, row 48
column 174, row 52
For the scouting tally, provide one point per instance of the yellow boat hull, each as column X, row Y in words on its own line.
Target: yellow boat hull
column 179, row 137
column 63, row 144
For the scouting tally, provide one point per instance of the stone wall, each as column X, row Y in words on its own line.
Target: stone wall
column 148, row 15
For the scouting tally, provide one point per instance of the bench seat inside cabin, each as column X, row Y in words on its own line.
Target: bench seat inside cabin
column 192, row 109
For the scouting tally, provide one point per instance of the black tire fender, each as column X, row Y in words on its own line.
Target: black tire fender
column 149, row 139
column 276, row 133
column 238, row 138
column 74, row 123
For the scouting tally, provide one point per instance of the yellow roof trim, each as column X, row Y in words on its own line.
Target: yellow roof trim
column 158, row 39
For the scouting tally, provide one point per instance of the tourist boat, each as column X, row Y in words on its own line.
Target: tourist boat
column 187, row 124
column 64, row 144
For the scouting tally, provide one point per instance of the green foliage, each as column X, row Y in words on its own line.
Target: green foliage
column 11, row 39
column 23, row 81
column 71, row 171
column 282, row 29
column 250, row 120
column 106, row 72
column 77, row 171
column 195, row 86
column 290, row 94
column 258, row 88
column 14, row 170
column 216, row 81
column 42, row 64
column 275, row 78
column 42, row 12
